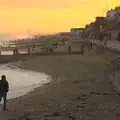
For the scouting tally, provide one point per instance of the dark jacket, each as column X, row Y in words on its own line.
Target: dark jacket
column 4, row 86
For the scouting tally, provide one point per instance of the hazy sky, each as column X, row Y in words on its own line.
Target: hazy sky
column 22, row 17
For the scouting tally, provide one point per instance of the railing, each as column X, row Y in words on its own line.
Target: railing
column 112, row 73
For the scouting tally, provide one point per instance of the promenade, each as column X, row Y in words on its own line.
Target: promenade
column 111, row 44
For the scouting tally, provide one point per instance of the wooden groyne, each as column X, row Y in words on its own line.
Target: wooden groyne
column 42, row 46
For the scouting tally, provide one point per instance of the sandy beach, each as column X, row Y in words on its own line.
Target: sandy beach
column 78, row 91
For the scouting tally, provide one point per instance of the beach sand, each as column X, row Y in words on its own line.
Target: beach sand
column 78, row 91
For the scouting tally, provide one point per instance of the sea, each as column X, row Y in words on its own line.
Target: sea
column 21, row 81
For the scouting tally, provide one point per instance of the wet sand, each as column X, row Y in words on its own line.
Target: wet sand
column 78, row 91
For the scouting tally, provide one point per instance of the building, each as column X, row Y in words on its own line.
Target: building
column 90, row 30
column 79, row 33
column 64, row 35
column 113, row 14
column 94, row 29
column 112, row 31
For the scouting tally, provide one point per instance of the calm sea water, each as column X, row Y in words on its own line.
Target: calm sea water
column 22, row 81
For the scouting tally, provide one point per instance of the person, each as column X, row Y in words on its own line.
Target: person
column 4, row 88
column 91, row 44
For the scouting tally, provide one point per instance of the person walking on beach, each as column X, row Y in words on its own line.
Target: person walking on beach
column 91, row 44
column 4, row 88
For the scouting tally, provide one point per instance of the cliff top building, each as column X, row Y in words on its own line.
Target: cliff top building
column 94, row 29
column 102, row 27
column 113, row 14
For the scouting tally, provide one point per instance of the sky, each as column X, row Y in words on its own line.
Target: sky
column 21, row 18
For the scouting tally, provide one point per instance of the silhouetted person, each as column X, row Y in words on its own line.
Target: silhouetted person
column 4, row 87
column 91, row 44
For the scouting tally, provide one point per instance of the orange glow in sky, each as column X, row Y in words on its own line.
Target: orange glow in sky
column 23, row 17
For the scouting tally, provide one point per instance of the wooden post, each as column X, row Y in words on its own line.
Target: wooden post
column 69, row 49
column 15, row 51
column 82, row 50
column 68, row 44
column 51, row 50
column 29, row 52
